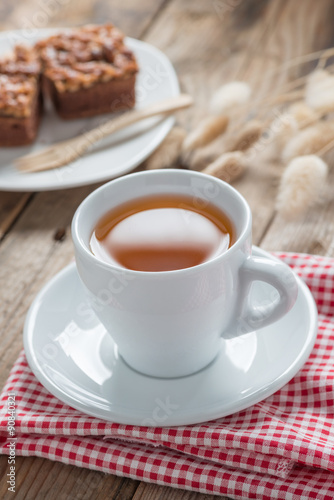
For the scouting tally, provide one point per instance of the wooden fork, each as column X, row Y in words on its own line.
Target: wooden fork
column 64, row 152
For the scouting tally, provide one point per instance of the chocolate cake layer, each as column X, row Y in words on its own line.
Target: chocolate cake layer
column 15, row 131
column 107, row 97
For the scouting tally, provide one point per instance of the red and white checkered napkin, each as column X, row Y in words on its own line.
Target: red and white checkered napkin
column 280, row 448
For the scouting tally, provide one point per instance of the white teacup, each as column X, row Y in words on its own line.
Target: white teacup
column 170, row 324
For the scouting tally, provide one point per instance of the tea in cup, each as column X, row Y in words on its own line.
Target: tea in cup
column 166, row 259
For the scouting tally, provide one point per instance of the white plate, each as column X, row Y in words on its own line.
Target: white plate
column 71, row 354
column 156, row 80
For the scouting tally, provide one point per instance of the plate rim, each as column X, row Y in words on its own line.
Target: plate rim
column 166, row 124
column 186, row 417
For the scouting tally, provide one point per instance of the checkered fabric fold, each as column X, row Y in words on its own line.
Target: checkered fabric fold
column 282, row 447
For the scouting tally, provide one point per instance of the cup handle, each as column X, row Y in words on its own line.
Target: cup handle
column 275, row 273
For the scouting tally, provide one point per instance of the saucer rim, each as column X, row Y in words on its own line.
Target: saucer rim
column 119, row 414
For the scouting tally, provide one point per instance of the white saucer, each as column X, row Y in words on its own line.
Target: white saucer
column 72, row 356
column 113, row 156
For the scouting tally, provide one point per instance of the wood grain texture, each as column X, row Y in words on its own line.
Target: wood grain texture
column 209, row 43
column 132, row 16
column 36, row 479
column 311, row 233
column 154, row 492
column 35, row 14
column 11, row 206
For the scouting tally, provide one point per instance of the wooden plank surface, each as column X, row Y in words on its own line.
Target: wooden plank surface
column 209, row 43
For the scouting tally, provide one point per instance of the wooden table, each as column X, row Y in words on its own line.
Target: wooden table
column 209, row 43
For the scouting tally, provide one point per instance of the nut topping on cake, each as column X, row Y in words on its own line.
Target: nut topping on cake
column 81, row 57
column 19, row 74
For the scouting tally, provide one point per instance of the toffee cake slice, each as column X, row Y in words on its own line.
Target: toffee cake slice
column 88, row 71
column 20, row 97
